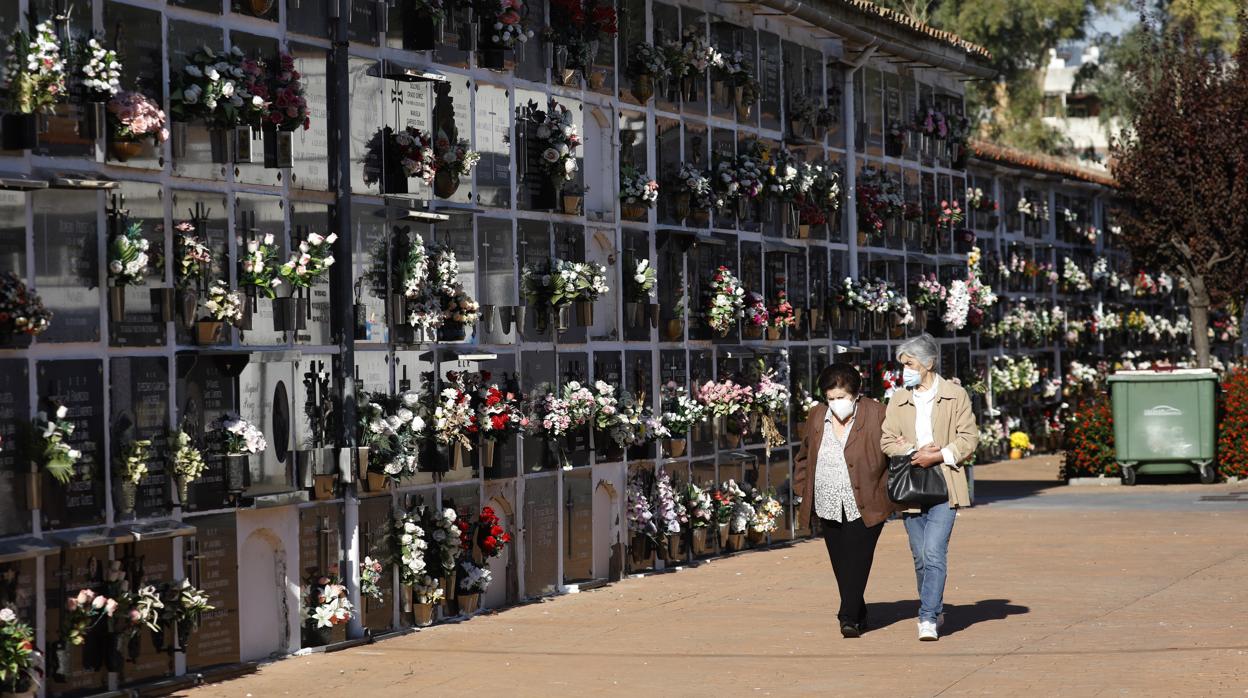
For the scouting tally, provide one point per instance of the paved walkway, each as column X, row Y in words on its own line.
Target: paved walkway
column 1053, row 591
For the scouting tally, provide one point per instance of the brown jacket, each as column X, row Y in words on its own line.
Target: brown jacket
column 868, row 466
column 953, row 427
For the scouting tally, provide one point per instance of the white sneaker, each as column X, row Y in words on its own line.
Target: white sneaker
column 927, row 631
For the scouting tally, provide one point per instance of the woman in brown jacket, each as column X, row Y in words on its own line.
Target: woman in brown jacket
column 841, row 475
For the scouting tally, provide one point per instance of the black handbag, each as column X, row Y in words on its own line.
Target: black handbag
column 915, row 485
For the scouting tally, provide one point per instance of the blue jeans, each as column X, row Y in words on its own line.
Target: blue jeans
column 929, row 533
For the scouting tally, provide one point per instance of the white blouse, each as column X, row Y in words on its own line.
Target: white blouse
column 834, row 493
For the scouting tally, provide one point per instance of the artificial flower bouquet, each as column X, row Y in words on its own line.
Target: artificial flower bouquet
column 392, row 429
column 258, row 270
column 727, row 301
column 327, row 603
column 127, row 256
column 237, row 436
column 310, row 262
column 370, row 579
column 133, row 116
column 21, row 310
column 637, row 188
column 557, row 140
column 680, row 412
column 53, row 451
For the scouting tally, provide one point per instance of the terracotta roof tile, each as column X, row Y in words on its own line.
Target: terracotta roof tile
column 984, row 150
column 904, row 20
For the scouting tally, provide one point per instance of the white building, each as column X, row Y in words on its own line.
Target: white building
column 1076, row 114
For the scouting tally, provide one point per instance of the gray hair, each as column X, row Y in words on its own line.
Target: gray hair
column 923, row 348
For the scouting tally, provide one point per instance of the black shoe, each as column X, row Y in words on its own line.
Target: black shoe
column 849, row 630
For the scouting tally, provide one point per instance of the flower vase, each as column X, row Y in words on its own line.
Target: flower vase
column 721, row 531
column 243, row 151
column 742, row 106
column 699, row 217
column 420, row 29
column 220, row 143
column 775, row 333
column 323, row 486
column 183, row 488
column 445, row 184
column 452, row 332
column 318, row 636
column 279, row 147
column 437, row 457
column 699, row 542
column 1016, row 453
column 563, row 318
column 19, row 131
column 559, row 65
column 422, row 614
column 721, row 95
column 571, row 204
column 584, row 313
column 634, row 212
column 162, row 302
column 756, row 538
column 124, row 151
column 209, row 332
column 689, row 87
column 127, row 496
column 643, row 88
column 752, row 331
column 639, row 551
column 393, row 179
column 634, row 314
column 485, row 451
column 736, row 542
column 675, row 447
column 674, row 331
column 288, row 314
column 469, row 603
column 683, row 202
column 187, row 302
column 459, row 456
column 117, row 303
column 237, row 469
column 799, row 127
column 675, row 548
column 375, row 482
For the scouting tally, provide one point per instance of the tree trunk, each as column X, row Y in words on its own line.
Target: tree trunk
column 1198, row 307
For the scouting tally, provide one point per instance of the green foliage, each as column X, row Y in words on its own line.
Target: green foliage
column 1090, row 440
column 1233, row 424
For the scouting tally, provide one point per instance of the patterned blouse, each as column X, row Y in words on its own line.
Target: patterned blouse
column 834, row 493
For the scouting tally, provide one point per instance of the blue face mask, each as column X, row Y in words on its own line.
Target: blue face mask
column 910, row 377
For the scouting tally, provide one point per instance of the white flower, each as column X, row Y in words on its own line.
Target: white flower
column 7, row 615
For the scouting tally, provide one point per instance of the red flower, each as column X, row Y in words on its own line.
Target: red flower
column 490, row 542
column 496, row 531
column 506, row 537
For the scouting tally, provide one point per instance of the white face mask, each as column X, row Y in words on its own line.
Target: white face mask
column 843, row 407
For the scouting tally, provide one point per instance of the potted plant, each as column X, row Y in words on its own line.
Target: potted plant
column 680, row 414
column 194, row 260
column 422, row 21
column 700, row 509
column 767, row 511
column 238, row 441
column 98, row 75
column 34, row 82
column 132, row 117
column 556, row 139
column 127, row 266
column 51, row 446
column 21, row 664
column 694, row 195
column 641, row 293
column 448, row 415
column 327, row 606
column 642, row 527
column 287, row 113
column 131, row 469
column 737, row 517
column 188, row 464
column 782, row 316
column 224, row 91
column 21, row 310
column 756, row 316
column 647, row 64
column 727, row 302
column 502, row 27
column 307, row 265
column 223, row 307
column 499, row 417
column 454, row 160
column 392, row 157
column 740, row 77
column 638, row 192
column 258, row 271
column 1020, row 445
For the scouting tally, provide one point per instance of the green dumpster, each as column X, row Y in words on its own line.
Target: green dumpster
column 1165, row 422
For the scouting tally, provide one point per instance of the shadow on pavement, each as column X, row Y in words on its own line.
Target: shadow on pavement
column 957, row 618
column 989, row 491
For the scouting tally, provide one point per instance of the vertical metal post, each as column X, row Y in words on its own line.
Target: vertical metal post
column 341, row 301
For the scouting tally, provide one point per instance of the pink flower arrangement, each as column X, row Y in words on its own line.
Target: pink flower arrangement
column 725, row 397
column 755, row 310
column 782, row 312
column 134, row 115
column 289, row 108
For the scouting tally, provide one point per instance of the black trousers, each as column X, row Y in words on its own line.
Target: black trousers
column 851, row 548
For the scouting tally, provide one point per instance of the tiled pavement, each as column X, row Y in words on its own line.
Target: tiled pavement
column 1053, row 591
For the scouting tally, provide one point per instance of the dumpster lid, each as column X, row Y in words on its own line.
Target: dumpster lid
column 1165, row 375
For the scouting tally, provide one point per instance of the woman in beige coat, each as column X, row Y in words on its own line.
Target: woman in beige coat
column 931, row 421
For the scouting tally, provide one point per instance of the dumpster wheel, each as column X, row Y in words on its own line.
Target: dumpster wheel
column 1208, row 474
column 1128, row 475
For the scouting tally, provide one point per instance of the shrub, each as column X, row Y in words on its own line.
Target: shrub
column 1090, row 440
column 1233, row 424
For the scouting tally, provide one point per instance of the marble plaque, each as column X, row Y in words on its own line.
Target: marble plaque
column 212, row 566
column 541, row 534
column 578, row 526
column 139, row 390
column 67, row 262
